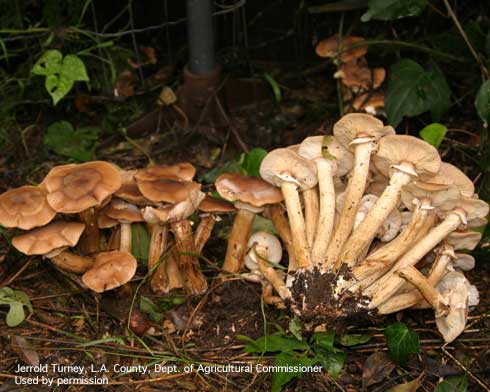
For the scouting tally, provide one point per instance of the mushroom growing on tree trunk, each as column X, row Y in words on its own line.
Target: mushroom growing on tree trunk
column 360, row 132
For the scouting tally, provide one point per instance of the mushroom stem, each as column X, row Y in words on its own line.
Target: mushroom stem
column 275, row 280
column 391, row 282
column 310, row 198
column 114, row 239
column 327, row 212
column 269, row 297
column 297, row 222
column 72, row 262
column 431, row 295
column 411, row 298
column 282, row 226
column 354, row 191
column 125, row 241
column 237, row 243
column 193, row 278
column 363, row 235
column 158, row 243
column 381, row 260
column 174, row 276
column 90, row 240
column 203, row 232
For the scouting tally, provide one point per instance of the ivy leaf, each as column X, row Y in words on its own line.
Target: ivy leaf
column 279, row 379
column 16, row 300
column 482, row 102
column 275, row 343
column 434, row 134
column 252, row 160
column 324, row 340
column 393, row 9
column 61, row 73
column 401, row 341
column 349, row 340
column 412, row 90
column 77, row 144
column 453, row 384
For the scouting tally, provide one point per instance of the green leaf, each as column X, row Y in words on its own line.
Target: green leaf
column 412, row 90
column 77, row 144
column 61, row 73
column 434, row 134
column 324, row 340
column 401, row 341
column 354, row 339
column 332, row 362
column 279, row 379
column 275, row 343
column 393, row 9
column 263, row 224
column 15, row 314
column 276, row 89
column 140, row 241
column 147, row 306
column 295, row 327
column 482, row 102
column 453, row 384
column 233, row 166
column 252, row 160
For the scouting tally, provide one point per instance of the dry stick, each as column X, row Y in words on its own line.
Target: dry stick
column 7, row 281
column 483, row 69
column 477, row 380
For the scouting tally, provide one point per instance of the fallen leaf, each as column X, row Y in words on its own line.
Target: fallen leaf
column 411, row 386
column 24, row 351
column 376, row 368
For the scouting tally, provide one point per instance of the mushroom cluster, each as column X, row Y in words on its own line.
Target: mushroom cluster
column 360, row 83
column 370, row 221
column 376, row 224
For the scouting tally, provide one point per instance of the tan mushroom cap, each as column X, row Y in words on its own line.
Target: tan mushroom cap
column 474, row 208
column 247, row 189
column 75, row 187
column 330, row 46
column 104, row 222
column 449, row 174
column 110, row 270
column 174, row 212
column 327, row 147
column 129, row 190
column 25, row 207
column 399, row 149
column 355, row 75
column 359, row 125
column 183, row 171
column 214, row 205
column 369, row 102
column 464, row 261
column 167, row 190
column 123, row 212
column 438, row 194
column 48, row 238
column 284, row 165
column 464, row 239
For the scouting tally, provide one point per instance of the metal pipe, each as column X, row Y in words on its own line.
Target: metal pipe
column 200, row 36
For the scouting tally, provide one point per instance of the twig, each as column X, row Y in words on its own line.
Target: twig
column 475, row 378
column 15, row 276
column 483, row 69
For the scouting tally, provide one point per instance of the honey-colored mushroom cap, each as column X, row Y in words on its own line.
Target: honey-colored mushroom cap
column 183, row 171
column 252, row 190
column 167, row 190
column 359, row 125
column 45, row 239
column 214, row 205
column 330, row 46
column 123, row 211
column 451, row 175
column 25, row 207
column 129, row 190
column 464, row 239
column 75, row 187
column 110, row 270
column 395, row 150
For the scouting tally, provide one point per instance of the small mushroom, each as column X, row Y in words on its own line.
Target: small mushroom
column 360, row 132
column 403, row 158
column 251, row 195
column 110, row 270
column 264, row 248
column 25, row 207
column 371, row 103
column 289, row 171
column 52, row 242
column 329, row 48
column 126, row 214
column 81, row 189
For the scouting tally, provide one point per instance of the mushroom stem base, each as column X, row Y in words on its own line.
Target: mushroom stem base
column 237, row 243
